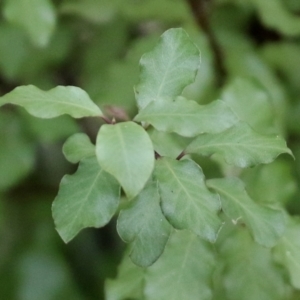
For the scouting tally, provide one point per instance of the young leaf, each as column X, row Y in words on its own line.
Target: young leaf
column 89, row 198
column 251, row 104
column 129, row 284
column 240, row 145
column 265, row 224
column 36, row 17
column 168, row 69
column 186, row 202
column 61, row 100
column 187, row 117
column 288, row 252
column 144, row 226
column 126, row 151
column 77, row 147
column 168, row 144
column 246, row 270
column 184, row 270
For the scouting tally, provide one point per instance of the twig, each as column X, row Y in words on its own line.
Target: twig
column 200, row 10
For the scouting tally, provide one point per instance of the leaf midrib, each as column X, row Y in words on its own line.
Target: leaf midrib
column 85, row 200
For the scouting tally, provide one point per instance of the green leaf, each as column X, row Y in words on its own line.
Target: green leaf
column 187, row 117
column 168, row 69
column 77, row 147
column 186, row 202
column 139, row 11
column 271, row 184
column 275, row 15
column 49, row 131
column 144, row 226
column 92, row 10
column 287, row 251
column 168, row 144
column 126, row 151
column 240, row 145
column 251, row 104
column 184, row 271
column 265, row 224
column 129, row 284
column 61, row 100
column 246, row 270
column 89, row 198
column 17, row 153
column 36, row 17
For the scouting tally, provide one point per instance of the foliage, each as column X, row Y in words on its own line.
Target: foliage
column 184, row 156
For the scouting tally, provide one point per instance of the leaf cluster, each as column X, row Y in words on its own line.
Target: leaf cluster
column 191, row 176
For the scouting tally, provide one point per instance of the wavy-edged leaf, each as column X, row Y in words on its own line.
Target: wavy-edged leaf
column 240, row 145
column 144, row 226
column 168, row 68
column 126, row 151
column 88, row 198
column 60, row 100
column 287, row 251
column 187, row 117
column 251, row 103
column 265, row 224
column 36, row 17
column 129, row 283
column 185, row 200
column 77, row 147
column 184, row 271
column 246, row 270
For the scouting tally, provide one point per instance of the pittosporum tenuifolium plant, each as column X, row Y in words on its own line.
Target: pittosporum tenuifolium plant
column 181, row 228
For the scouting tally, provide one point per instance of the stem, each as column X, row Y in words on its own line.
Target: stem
column 200, row 10
column 157, row 156
column 107, row 120
column 181, row 155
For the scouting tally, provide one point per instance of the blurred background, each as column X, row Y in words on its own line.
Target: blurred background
column 97, row 45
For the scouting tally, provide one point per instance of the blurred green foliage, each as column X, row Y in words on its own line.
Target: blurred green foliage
column 97, row 44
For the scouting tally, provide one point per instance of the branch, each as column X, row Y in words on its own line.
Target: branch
column 200, row 10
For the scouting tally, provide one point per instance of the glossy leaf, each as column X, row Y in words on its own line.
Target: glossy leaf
column 61, row 100
column 168, row 144
column 246, row 270
column 186, row 117
column 126, row 151
column 251, row 104
column 288, row 253
column 129, row 283
column 88, row 198
column 144, row 226
column 265, row 224
column 186, row 202
column 36, row 17
column 190, row 263
column 240, row 146
column 77, row 147
column 168, row 69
